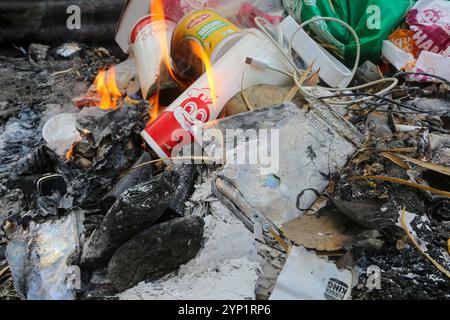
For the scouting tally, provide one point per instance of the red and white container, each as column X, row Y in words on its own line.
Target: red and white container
column 147, row 39
column 196, row 106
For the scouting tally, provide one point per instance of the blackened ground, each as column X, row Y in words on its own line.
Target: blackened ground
column 28, row 89
column 405, row 273
column 24, row 81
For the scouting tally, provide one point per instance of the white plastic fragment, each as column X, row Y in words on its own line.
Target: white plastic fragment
column 405, row 128
column 60, row 132
column 396, row 56
column 308, row 277
column 257, row 148
column 433, row 63
column 39, row 258
column 332, row 71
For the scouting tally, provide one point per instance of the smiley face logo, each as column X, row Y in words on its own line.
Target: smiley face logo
column 194, row 109
column 430, row 16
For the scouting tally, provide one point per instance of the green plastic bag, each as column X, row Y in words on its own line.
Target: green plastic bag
column 373, row 21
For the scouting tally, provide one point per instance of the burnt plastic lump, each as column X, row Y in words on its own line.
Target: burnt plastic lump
column 134, row 177
column 135, row 210
column 41, row 160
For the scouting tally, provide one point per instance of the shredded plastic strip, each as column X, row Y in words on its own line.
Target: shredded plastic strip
column 4, row 271
column 411, row 238
column 279, row 239
column 403, row 182
column 427, row 165
column 396, row 150
column 396, row 160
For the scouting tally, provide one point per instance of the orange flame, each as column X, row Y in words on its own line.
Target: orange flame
column 154, row 110
column 198, row 50
column 69, row 154
column 106, row 86
column 157, row 9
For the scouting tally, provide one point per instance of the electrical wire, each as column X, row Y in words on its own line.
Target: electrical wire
column 297, row 73
column 348, row 27
column 399, row 104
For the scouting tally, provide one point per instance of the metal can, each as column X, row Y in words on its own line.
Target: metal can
column 204, row 27
column 146, row 40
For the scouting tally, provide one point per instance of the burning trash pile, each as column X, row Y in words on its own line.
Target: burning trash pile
column 265, row 149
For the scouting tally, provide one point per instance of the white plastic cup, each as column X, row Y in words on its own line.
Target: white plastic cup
column 145, row 41
column 60, row 132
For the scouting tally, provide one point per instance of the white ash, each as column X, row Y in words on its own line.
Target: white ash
column 198, row 203
column 231, row 279
column 203, row 190
column 225, row 267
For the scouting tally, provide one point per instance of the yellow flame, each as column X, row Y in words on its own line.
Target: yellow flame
column 69, row 154
column 154, row 104
column 198, row 50
column 105, row 84
column 157, row 9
